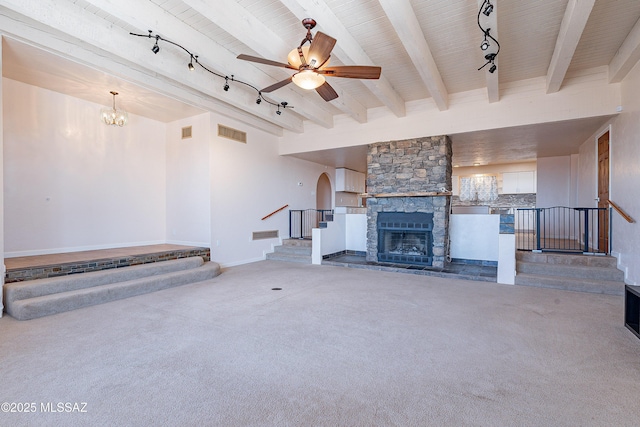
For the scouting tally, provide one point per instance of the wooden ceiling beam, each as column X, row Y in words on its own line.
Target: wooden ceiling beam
column 575, row 20
column 406, row 25
column 626, row 57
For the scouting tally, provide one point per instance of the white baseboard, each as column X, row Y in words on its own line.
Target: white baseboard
column 185, row 243
column 236, row 263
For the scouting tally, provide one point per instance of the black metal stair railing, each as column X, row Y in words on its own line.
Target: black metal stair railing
column 302, row 221
column 563, row 229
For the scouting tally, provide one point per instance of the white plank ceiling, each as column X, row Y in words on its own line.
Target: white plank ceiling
column 427, row 50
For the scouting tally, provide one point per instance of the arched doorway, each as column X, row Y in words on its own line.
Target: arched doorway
column 323, row 193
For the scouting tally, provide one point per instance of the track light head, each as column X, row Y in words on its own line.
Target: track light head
column 258, row 101
column 490, row 57
column 191, row 67
column 155, row 48
column 484, row 45
column 492, row 68
column 278, row 112
column 488, row 9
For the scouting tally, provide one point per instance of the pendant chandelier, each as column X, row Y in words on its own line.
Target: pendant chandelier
column 113, row 116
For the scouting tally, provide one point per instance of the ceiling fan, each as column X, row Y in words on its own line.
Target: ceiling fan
column 310, row 63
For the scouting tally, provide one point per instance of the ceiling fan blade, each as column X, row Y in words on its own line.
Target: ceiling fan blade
column 276, row 85
column 320, row 49
column 264, row 61
column 327, row 92
column 353, row 71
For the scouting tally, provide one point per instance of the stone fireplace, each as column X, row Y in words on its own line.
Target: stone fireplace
column 408, row 183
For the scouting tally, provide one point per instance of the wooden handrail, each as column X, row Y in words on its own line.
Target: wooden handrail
column 275, row 212
column 621, row 212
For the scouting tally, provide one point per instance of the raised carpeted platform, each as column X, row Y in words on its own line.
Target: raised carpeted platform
column 25, row 268
column 43, row 297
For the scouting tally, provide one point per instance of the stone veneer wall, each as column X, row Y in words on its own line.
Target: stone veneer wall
column 525, row 200
column 413, row 165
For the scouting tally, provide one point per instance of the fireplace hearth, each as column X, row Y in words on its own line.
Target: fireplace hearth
column 405, row 238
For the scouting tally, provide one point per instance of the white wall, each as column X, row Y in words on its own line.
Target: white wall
column 554, row 182
column 249, row 181
column 625, row 176
column 521, row 103
column 73, row 183
column 356, row 232
column 474, row 236
column 2, row 267
column 587, row 173
column 188, row 185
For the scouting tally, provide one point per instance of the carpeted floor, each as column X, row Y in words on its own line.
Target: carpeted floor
column 335, row 347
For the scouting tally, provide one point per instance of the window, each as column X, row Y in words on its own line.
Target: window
column 482, row 188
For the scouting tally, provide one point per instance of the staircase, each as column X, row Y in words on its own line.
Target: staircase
column 292, row 250
column 43, row 297
column 581, row 273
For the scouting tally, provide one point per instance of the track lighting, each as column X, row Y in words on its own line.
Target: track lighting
column 193, row 61
column 485, row 9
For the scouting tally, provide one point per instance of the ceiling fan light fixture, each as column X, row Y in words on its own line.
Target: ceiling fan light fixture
column 293, row 58
column 308, row 79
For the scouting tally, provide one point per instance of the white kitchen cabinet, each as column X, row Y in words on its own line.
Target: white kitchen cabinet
column 518, row 182
column 350, row 181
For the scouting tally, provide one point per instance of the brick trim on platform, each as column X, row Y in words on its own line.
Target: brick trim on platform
column 65, row 269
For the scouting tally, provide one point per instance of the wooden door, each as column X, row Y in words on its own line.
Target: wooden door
column 603, row 192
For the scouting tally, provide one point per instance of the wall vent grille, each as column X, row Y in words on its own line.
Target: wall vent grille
column 261, row 235
column 230, row 133
column 186, row 132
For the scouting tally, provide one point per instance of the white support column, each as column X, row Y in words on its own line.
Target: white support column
column 507, row 259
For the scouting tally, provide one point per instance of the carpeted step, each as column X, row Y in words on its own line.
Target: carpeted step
column 571, row 284
column 292, row 250
column 301, row 259
column 298, row 242
column 568, row 259
column 40, row 287
column 78, row 295
column 570, row 270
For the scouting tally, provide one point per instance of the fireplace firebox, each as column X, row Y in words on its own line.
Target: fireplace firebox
column 405, row 238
